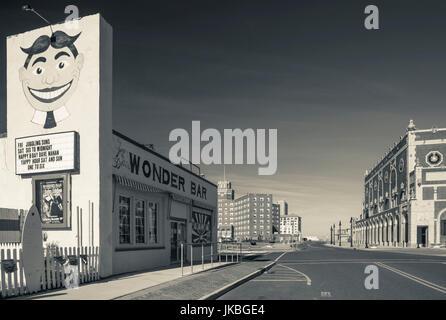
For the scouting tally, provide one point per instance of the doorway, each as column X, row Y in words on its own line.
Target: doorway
column 422, row 236
column 177, row 236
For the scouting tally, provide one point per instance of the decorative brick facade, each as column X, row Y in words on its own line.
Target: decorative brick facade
column 405, row 193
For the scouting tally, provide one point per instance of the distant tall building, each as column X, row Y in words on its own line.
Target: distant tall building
column 249, row 217
column 254, row 217
column 225, row 210
column 291, row 225
column 283, row 207
column 276, row 218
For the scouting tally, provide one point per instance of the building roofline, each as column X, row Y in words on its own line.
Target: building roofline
column 143, row 147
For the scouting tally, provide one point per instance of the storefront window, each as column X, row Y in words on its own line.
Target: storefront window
column 124, row 219
column 140, row 235
column 153, row 223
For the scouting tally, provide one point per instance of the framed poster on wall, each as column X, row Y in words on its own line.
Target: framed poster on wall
column 201, row 228
column 51, row 195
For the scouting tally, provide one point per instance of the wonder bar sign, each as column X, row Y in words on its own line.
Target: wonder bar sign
column 45, row 153
column 134, row 162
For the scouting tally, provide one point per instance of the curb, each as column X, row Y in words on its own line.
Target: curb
column 229, row 264
column 378, row 249
column 219, row 292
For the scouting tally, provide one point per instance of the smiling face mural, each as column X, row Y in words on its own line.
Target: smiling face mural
column 50, row 76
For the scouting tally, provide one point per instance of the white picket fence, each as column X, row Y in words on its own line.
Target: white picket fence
column 12, row 276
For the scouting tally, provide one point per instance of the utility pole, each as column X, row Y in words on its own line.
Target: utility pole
column 331, row 234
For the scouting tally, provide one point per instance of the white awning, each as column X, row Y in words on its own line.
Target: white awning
column 126, row 182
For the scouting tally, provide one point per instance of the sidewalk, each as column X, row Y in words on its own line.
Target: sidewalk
column 440, row 252
column 207, row 285
column 121, row 285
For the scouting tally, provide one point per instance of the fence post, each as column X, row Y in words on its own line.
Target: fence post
column 182, row 250
column 191, row 259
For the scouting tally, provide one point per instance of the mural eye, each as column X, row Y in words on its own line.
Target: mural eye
column 61, row 65
column 38, row 70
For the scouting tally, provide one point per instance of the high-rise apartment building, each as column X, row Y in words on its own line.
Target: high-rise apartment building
column 226, row 216
column 283, row 207
column 250, row 217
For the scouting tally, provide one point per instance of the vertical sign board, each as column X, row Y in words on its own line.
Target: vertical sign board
column 46, row 153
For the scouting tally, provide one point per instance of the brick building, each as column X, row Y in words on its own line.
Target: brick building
column 405, row 193
column 249, row 217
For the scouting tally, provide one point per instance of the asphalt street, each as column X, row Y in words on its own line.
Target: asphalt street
column 320, row 272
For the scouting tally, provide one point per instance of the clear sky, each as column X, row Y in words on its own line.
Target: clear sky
column 338, row 94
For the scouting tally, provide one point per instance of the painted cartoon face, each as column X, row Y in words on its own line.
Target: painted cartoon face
column 50, row 78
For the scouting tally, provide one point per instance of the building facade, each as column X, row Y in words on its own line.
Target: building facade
column 226, row 214
column 283, row 207
column 275, row 213
column 92, row 185
column 405, row 193
column 253, row 216
column 291, row 224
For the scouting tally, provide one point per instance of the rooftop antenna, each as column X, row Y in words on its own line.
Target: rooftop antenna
column 27, row 7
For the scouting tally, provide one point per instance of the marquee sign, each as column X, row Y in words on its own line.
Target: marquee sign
column 46, row 153
column 131, row 161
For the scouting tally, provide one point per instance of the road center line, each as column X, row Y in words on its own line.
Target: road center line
column 413, row 278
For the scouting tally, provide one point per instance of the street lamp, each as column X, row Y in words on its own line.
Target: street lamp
column 28, row 8
column 366, row 235
column 340, row 234
column 351, row 232
column 334, row 234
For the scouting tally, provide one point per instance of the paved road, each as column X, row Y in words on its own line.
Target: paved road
column 320, row 272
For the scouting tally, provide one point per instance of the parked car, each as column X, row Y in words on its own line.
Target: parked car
column 253, row 243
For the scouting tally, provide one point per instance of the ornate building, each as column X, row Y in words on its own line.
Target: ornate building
column 405, row 193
